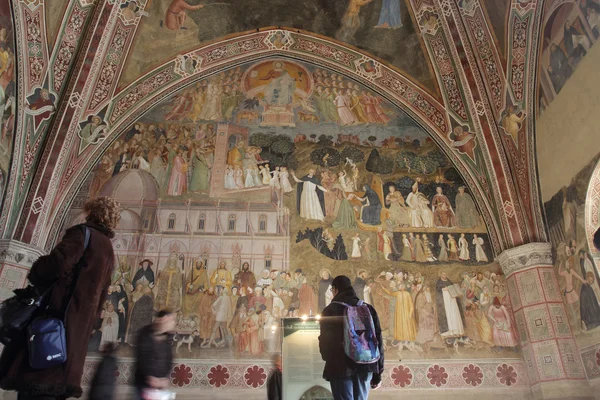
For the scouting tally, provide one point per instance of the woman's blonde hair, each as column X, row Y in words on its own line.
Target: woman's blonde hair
column 103, row 211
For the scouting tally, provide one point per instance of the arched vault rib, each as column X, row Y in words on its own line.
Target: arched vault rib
column 165, row 80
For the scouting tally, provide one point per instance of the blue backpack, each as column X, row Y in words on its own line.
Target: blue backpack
column 360, row 339
column 46, row 335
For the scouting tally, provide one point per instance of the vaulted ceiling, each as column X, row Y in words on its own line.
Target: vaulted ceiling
column 469, row 64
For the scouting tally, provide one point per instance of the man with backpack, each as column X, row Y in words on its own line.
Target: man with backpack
column 350, row 343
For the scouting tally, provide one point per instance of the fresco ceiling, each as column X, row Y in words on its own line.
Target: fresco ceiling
column 384, row 29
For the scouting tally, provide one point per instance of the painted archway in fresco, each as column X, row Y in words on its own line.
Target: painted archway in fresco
column 189, row 68
column 258, row 183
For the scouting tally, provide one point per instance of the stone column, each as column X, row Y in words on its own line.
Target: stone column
column 552, row 358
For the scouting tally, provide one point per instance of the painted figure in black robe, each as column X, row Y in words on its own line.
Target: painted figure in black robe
column 119, row 296
column 144, row 275
column 371, row 212
column 310, row 178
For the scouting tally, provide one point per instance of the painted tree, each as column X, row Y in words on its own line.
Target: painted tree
column 353, row 153
column 325, row 157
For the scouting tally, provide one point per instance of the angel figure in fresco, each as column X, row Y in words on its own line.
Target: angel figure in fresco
column 351, row 20
column 511, row 121
column 176, row 14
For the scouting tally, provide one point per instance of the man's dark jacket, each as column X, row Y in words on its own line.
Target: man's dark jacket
column 331, row 341
column 153, row 357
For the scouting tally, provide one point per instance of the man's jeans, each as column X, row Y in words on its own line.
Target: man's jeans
column 355, row 387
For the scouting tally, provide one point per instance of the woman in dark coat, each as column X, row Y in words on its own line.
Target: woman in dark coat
column 65, row 380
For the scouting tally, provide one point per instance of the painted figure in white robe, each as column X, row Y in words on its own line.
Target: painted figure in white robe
column 284, row 180
column 421, row 215
column 310, row 197
column 110, row 325
column 356, row 246
column 274, row 182
column 343, row 104
column 449, row 309
column 480, row 255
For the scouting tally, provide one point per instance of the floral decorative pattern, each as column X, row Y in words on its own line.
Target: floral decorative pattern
column 437, row 375
column 401, row 376
column 181, row 375
column 472, row 375
column 218, row 376
column 506, row 374
column 255, row 376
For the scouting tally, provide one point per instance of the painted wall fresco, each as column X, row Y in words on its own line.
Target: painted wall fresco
column 569, row 33
column 578, row 275
column 384, row 28
column 54, row 10
column 245, row 193
column 497, row 13
column 8, row 92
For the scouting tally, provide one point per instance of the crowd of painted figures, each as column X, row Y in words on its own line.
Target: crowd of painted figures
column 179, row 156
column 236, row 309
column 416, row 247
column 411, row 309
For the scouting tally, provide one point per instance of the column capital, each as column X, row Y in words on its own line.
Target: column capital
column 16, row 259
column 18, row 253
column 525, row 256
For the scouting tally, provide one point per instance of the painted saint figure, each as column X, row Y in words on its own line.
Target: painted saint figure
column 169, row 285
column 443, row 256
column 399, row 213
column 443, row 214
column 466, row 212
column 463, row 248
column 310, row 198
column 178, row 180
column 480, row 255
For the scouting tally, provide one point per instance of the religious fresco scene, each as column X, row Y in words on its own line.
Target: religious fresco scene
column 7, row 93
column 569, row 33
column 577, row 274
column 245, row 193
column 383, row 28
